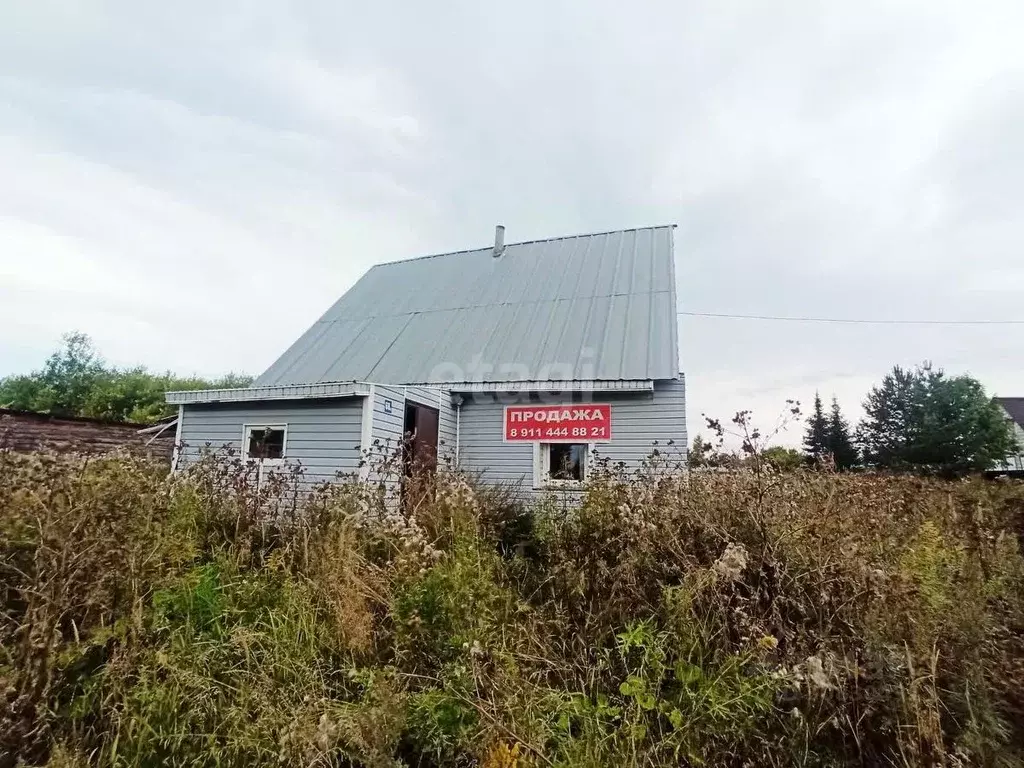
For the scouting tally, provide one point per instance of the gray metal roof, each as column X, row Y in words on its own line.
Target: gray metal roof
column 588, row 307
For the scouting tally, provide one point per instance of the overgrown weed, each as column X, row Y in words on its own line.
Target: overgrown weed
column 746, row 618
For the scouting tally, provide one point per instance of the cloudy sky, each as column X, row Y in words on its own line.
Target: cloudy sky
column 194, row 183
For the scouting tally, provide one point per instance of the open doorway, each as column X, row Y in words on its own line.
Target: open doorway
column 419, row 455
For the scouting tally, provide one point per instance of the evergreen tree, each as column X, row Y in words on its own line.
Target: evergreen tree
column 924, row 419
column 816, row 445
column 884, row 433
column 840, row 443
column 699, row 454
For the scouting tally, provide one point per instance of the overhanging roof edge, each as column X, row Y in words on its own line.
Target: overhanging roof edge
column 274, row 392
column 619, row 385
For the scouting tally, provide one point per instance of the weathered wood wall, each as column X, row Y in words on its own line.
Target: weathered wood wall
column 26, row 432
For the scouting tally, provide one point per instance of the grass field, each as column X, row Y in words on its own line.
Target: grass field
column 746, row 619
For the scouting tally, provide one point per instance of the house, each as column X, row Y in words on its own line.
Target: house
column 520, row 362
column 1014, row 409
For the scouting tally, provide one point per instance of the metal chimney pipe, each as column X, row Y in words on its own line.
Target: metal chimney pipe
column 499, row 241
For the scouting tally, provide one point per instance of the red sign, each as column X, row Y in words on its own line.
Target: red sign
column 577, row 423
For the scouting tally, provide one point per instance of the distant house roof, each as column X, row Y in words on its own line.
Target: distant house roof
column 599, row 307
column 1015, row 407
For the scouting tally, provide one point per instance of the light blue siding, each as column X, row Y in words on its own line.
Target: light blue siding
column 640, row 423
column 388, row 416
column 323, row 435
column 1015, row 462
column 387, row 427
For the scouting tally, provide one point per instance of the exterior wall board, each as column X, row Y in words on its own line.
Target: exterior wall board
column 323, row 435
column 387, row 427
column 638, row 420
column 1016, row 461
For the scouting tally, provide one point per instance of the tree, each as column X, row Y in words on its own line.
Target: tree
column 20, row 392
column 927, row 420
column 68, row 376
column 884, row 433
column 63, row 384
column 783, row 459
column 816, row 442
column 840, row 443
column 705, row 454
column 75, row 381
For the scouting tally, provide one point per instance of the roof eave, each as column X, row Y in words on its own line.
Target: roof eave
column 275, row 392
column 618, row 385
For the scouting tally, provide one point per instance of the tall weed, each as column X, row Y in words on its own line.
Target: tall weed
column 744, row 618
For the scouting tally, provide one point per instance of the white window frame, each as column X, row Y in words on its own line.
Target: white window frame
column 542, row 459
column 264, row 463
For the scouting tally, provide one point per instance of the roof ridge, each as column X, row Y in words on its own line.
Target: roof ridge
column 525, row 242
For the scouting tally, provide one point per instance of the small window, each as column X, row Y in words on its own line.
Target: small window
column 561, row 463
column 264, row 442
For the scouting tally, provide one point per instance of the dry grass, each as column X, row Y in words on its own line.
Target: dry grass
column 741, row 619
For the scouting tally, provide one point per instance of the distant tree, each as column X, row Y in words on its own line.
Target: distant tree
column 21, row 392
column 783, row 459
column 839, row 440
column 129, row 395
column 64, row 383
column 705, row 454
column 816, row 442
column 137, row 395
column 698, row 453
column 754, row 444
column 925, row 419
column 75, row 381
column 884, row 435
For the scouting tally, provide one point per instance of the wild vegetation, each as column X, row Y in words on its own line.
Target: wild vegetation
column 724, row 619
column 915, row 420
column 828, row 439
column 76, row 381
column 923, row 418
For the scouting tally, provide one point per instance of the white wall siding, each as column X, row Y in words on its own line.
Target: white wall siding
column 1015, row 462
column 640, row 423
column 326, row 436
column 323, row 435
column 387, row 427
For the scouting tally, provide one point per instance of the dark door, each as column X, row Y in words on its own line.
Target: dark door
column 425, row 443
column 420, row 451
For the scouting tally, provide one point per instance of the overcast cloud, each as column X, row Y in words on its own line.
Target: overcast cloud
column 174, row 173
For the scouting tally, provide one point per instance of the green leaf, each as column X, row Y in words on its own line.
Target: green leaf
column 632, row 686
